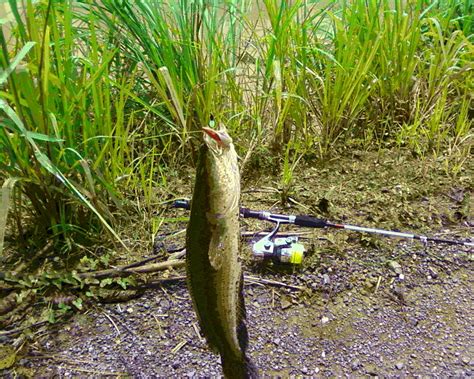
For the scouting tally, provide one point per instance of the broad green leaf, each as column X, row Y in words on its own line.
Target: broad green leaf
column 43, row 137
column 106, row 282
column 4, row 74
column 78, row 303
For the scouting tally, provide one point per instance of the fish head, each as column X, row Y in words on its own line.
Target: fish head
column 222, row 172
column 218, row 141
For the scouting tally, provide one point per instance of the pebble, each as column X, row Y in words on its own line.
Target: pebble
column 400, row 365
column 175, row 364
column 285, row 335
column 432, row 272
column 355, row 364
column 285, row 303
column 395, row 267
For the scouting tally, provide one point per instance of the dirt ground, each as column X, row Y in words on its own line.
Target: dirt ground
column 420, row 326
column 359, row 305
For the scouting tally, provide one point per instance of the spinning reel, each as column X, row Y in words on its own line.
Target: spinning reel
column 283, row 250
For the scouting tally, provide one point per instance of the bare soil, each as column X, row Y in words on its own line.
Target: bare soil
column 419, row 326
column 368, row 306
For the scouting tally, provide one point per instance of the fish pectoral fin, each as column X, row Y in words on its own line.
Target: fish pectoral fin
column 216, row 250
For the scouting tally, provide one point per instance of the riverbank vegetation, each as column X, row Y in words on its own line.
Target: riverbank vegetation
column 101, row 100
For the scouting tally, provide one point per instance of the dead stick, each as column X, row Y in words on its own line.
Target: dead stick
column 20, row 329
column 255, row 279
column 135, row 270
column 248, row 280
column 178, row 253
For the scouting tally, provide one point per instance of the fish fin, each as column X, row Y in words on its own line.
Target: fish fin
column 216, row 242
column 242, row 333
column 241, row 366
column 238, row 367
column 215, row 251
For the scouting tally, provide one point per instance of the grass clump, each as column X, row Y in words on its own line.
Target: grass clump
column 63, row 135
column 187, row 51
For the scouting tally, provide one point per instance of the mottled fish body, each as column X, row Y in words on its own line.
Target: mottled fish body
column 212, row 245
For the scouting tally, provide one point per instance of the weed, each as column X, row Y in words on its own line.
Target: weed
column 62, row 139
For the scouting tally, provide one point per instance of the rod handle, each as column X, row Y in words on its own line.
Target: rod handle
column 185, row 204
column 248, row 213
column 310, row 222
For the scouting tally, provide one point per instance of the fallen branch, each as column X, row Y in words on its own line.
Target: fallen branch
column 24, row 265
column 254, row 279
column 247, row 278
column 156, row 283
column 174, row 254
column 126, row 270
column 4, row 333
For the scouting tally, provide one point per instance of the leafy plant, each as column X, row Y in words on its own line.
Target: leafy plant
column 290, row 162
column 100, row 97
column 187, row 50
column 60, row 135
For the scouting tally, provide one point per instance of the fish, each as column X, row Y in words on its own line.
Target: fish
column 213, row 268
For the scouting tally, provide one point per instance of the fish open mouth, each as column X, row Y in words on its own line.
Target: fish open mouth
column 213, row 134
column 214, row 140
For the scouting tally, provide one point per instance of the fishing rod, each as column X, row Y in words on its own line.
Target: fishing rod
column 269, row 247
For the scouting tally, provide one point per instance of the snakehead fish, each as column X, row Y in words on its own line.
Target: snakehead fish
column 212, row 244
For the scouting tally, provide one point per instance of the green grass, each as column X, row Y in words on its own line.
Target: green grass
column 63, row 137
column 187, row 51
column 101, row 100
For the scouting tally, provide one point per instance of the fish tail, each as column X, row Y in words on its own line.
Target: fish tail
column 238, row 367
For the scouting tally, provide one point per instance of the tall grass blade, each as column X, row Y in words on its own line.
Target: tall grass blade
column 7, row 187
column 174, row 95
column 49, row 166
column 16, row 61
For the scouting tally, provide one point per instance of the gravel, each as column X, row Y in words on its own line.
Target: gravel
column 374, row 324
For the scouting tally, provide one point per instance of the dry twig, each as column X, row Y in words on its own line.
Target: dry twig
column 119, row 271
